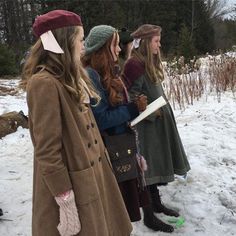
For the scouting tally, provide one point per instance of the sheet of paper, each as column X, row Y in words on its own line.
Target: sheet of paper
column 152, row 107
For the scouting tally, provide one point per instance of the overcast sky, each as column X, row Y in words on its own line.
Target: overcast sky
column 231, row 2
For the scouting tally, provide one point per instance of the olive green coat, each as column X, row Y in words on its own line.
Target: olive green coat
column 69, row 153
column 159, row 139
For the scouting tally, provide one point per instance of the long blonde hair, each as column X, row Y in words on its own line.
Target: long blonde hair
column 153, row 64
column 63, row 67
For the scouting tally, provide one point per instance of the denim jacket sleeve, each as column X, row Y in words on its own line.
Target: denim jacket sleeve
column 106, row 115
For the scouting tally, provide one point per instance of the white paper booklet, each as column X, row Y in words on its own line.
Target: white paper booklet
column 152, row 107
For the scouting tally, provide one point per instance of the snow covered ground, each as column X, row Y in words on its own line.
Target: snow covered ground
column 207, row 199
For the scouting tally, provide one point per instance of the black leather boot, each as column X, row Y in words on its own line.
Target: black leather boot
column 158, row 207
column 152, row 222
column 1, row 213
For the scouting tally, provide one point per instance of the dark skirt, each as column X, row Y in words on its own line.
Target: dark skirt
column 134, row 197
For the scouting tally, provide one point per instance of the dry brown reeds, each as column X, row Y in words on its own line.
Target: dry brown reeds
column 222, row 74
column 188, row 82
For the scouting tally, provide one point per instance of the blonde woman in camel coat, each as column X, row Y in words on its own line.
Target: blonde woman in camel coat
column 74, row 189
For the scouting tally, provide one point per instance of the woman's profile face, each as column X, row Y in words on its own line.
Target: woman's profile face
column 79, row 43
column 115, row 48
column 155, row 44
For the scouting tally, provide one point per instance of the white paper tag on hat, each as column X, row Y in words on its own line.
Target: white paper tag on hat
column 136, row 43
column 50, row 43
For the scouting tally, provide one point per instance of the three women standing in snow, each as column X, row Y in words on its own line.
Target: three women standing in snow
column 72, row 175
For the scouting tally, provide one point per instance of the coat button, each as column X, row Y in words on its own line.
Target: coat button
column 95, row 141
column 89, row 145
column 92, row 124
column 99, row 159
column 88, row 126
column 92, row 163
column 80, row 108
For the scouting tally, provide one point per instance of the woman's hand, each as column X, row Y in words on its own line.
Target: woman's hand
column 141, row 102
column 69, row 218
column 159, row 113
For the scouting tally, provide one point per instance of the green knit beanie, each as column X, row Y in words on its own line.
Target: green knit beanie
column 97, row 37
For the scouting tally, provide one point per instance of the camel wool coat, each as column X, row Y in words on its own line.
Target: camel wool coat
column 69, row 154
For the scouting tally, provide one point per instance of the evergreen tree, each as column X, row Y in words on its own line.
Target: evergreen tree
column 225, row 32
column 17, row 16
column 185, row 44
column 7, row 61
column 164, row 14
column 203, row 29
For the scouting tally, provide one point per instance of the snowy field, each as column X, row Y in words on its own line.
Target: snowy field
column 207, row 199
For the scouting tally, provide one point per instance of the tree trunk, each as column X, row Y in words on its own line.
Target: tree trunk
column 9, row 122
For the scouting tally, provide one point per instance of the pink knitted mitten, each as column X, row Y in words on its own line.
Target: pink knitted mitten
column 69, row 218
column 142, row 162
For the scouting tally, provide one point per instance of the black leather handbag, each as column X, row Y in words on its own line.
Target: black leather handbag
column 122, row 151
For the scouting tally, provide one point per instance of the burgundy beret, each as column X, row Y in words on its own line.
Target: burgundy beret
column 54, row 20
column 146, row 31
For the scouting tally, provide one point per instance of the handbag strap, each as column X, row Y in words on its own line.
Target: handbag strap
column 133, row 128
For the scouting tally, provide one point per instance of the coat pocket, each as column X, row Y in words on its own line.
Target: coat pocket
column 84, row 186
